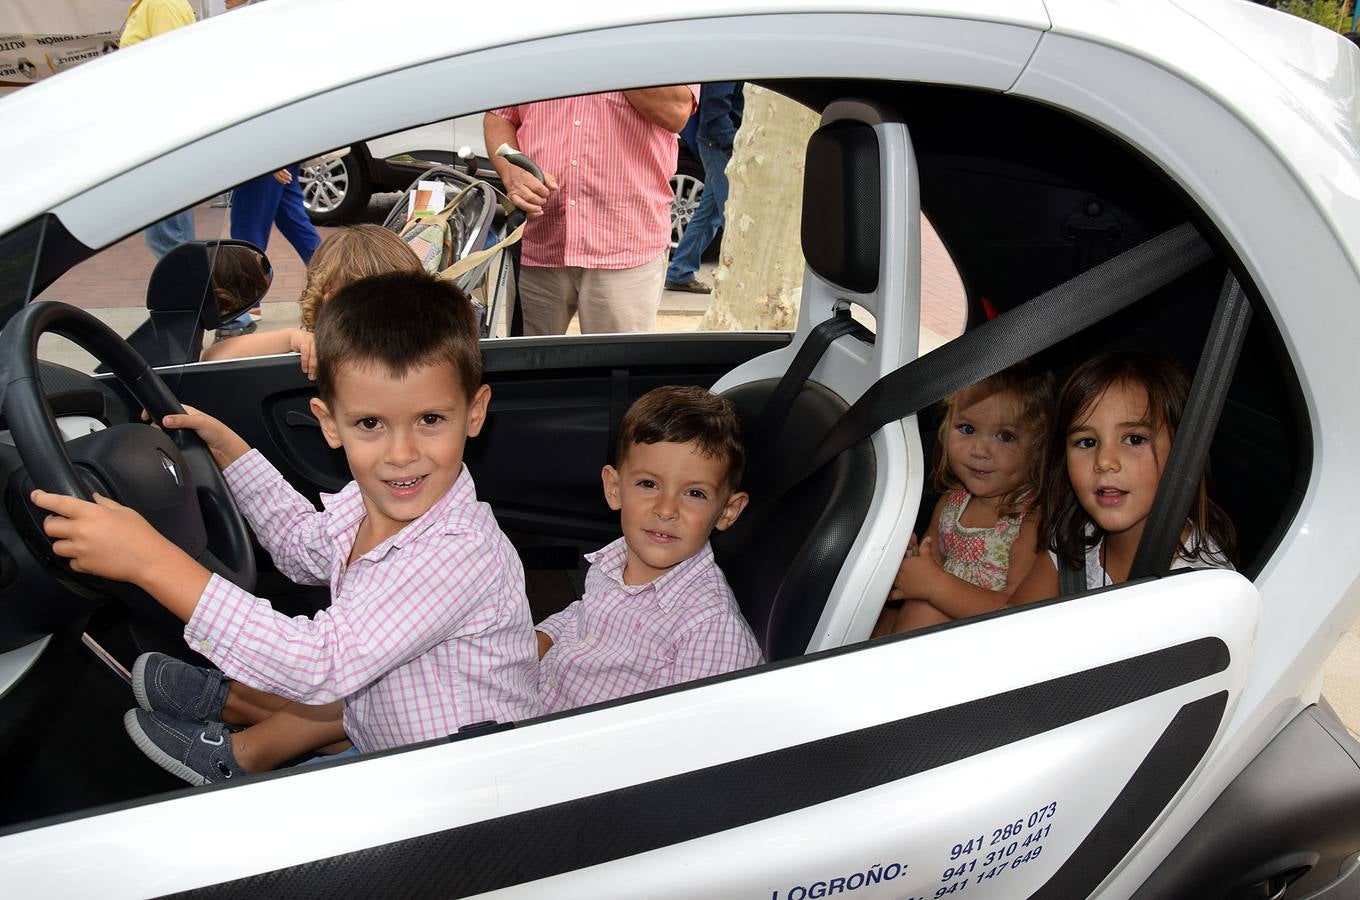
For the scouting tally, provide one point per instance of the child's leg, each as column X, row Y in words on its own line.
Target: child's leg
column 918, row 614
column 288, row 733
column 248, row 706
column 887, row 618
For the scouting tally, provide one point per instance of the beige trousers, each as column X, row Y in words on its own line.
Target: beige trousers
column 608, row 300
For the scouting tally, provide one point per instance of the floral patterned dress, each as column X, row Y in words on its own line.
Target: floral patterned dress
column 980, row 556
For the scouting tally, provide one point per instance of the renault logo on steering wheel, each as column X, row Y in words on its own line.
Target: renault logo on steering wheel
column 168, row 465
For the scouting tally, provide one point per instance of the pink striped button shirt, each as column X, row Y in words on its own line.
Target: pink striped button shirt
column 621, row 639
column 427, row 632
column 613, row 168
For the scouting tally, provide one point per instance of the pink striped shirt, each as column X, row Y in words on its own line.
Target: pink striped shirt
column 612, row 208
column 621, row 639
column 427, row 632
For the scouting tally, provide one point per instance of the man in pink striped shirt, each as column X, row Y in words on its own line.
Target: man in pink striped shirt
column 428, row 629
column 599, row 223
column 657, row 610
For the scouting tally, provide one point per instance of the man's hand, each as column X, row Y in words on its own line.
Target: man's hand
column 526, row 191
column 225, row 445
column 283, row 176
column 102, row 538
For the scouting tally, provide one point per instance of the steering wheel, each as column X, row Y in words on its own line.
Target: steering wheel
column 168, row 477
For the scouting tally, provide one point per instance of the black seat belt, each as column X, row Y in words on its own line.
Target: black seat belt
column 1035, row 325
column 1190, row 450
column 771, row 421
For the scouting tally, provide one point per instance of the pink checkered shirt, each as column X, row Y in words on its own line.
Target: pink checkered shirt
column 427, row 632
column 621, row 639
column 612, row 208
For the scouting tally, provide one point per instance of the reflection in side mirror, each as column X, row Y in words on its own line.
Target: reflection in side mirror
column 240, row 277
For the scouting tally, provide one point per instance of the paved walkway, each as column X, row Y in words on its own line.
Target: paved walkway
column 113, row 285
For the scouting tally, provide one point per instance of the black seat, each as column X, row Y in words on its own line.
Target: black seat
column 782, row 559
column 786, row 553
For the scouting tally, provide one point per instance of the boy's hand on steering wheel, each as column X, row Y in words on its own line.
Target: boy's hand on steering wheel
column 102, row 538
column 225, row 445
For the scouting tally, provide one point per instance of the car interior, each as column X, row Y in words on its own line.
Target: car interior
column 1023, row 196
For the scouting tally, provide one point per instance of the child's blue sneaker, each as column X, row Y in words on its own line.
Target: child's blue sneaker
column 198, row 752
column 164, row 684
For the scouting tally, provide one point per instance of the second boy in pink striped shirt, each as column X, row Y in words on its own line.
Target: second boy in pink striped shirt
column 428, row 628
column 657, row 610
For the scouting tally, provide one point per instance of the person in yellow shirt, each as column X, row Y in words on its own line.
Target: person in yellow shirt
column 146, row 19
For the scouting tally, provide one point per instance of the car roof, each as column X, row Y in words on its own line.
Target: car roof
column 1294, row 82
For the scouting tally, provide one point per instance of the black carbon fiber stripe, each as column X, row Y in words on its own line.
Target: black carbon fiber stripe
column 1156, row 781
column 543, row 842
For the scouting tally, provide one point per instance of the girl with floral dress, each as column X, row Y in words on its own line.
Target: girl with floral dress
column 983, row 535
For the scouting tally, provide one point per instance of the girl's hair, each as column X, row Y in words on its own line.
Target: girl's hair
column 239, row 279
column 1033, row 388
column 1065, row 522
column 346, row 256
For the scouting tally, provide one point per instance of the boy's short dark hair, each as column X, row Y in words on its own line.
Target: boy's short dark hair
column 399, row 321
column 679, row 415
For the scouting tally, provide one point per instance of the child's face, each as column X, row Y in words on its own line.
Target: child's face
column 1115, row 457
column 403, row 437
column 670, row 497
column 986, row 445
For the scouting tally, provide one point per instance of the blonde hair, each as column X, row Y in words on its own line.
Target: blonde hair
column 346, row 256
column 1034, row 390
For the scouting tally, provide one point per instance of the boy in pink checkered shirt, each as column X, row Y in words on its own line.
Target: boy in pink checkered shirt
column 657, row 610
column 428, row 628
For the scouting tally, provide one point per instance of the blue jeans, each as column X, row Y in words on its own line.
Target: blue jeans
column 170, row 232
column 262, row 203
column 708, row 218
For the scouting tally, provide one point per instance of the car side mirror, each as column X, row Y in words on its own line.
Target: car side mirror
column 240, row 276
column 198, row 286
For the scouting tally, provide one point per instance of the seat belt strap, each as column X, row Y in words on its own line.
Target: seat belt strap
column 1035, row 325
column 1070, row 580
column 1190, row 450
column 780, row 401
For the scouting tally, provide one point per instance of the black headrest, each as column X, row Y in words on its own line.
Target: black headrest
column 841, row 199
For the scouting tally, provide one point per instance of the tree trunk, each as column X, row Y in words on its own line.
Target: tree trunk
column 759, row 277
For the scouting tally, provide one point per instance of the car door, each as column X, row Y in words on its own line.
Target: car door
column 1021, row 755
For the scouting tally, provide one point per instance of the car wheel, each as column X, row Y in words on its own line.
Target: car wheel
column 335, row 187
column 688, row 185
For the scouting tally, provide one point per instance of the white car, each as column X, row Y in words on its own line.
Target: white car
column 1101, row 172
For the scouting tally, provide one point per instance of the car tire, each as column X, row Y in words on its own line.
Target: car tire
column 335, row 189
column 687, row 184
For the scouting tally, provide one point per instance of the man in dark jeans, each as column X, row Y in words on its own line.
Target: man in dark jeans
column 720, row 107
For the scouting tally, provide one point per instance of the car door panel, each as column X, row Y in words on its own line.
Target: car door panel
column 555, row 409
column 862, row 761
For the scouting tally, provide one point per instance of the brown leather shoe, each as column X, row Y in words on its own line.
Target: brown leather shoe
column 689, row 287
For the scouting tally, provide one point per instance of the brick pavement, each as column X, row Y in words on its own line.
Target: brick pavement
column 117, row 277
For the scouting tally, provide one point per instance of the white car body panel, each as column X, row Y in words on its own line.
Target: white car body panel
column 161, row 848
column 1154, row 74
